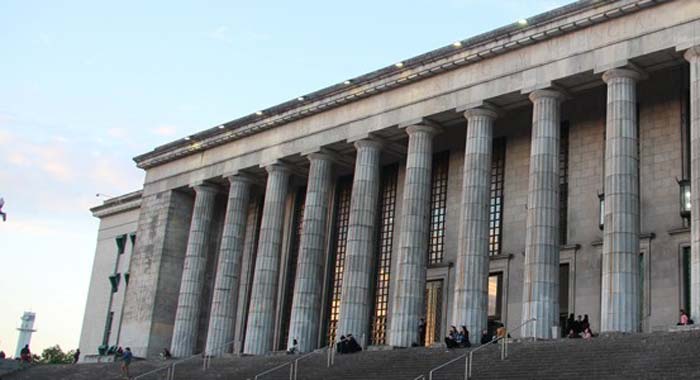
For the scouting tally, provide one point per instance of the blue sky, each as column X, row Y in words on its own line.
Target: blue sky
column 87, row 85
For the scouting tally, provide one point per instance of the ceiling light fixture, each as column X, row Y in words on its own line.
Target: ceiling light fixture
column 522, row 22
column 457, row 44
column 259, row 113
column 399, row 64
column 347, row 82
column 301, row 98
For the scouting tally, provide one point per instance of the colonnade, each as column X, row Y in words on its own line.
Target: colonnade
column 620, row 277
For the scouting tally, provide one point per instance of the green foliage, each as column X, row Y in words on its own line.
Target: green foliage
column 54, row 355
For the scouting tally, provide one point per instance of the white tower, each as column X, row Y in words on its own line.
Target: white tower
column 25, row 331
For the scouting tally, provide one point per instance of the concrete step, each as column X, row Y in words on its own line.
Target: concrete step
column 643, row 356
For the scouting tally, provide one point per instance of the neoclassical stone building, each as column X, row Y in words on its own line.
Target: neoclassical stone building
column 534, row 171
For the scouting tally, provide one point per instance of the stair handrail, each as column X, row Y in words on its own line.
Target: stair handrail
column 306, row 355
column 273, row 369
column 207, row 357
column 170, row 367
column 504, row 349
column 156, row 370
column 468, row 356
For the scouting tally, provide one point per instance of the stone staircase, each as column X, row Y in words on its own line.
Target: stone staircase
column 637, row 356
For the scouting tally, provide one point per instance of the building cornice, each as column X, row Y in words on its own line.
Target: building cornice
column 122, row 203
column 539, row 28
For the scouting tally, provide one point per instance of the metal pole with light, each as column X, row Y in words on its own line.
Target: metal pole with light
column 684, row 197
column 601, row 210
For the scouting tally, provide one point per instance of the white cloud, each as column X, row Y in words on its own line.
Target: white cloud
column 220, row 34
column 164, row 130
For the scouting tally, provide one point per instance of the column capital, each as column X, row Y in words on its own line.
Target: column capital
column 621, row 73
column 321, row 156
column 547, row 93
column 431, row 129
column 368, row 143
column 278, row 167
column 240, row 178
column 483, row 111
column 204, row 187
column 692, row 54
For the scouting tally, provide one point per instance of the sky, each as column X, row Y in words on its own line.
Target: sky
column 87, row 85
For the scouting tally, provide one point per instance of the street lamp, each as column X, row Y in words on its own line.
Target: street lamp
column 684, row 192
column 601, row 210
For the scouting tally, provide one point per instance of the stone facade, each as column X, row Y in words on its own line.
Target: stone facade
column 517, row 237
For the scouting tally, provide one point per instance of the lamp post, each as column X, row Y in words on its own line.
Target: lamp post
column 601, row 210
column 684, row 197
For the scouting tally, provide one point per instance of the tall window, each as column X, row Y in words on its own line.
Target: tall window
column 498, row 168
column 495, row 296
column 438, row 207
column 386, row 239
column 293, row 257
column 563, row 181
column 685, row 290
column 342, row 217
column 121, row 243
column 108, row 328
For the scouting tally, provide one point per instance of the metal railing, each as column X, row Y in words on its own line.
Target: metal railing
column 170, row 375
column 469, row 356
column 274, row 369
column 207, row 358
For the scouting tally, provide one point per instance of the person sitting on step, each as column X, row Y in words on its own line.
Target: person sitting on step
column 485, row 337
column 683, row 319
column 451, row 338
column 464, row 337
column 587, row 334
column 342, row 345
column 294, row 348
column 353, row 346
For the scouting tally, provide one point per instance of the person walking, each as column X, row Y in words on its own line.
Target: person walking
column 126, row 361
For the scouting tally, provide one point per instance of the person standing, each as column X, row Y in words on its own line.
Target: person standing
column 76, row 356
column 4, row 215
column 25, row 354
column 126, row 361
column 421, row 332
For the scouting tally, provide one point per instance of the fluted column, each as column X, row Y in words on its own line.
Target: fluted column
column 472, row 269
column 692, row 55
column 355, row 303
column 620, row 280
column 541, row 268
column 408, row 301
column 225, row 295
column 261, row 315
column 188, row 303
column 308, row 288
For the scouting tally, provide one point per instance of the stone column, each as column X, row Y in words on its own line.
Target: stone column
column 261, row 315
column 355, row 302
column 692, row 55
column 472, row 268
column 541, row 268
column 187, row 314
column 408, row 301
column 250, row 248
column 225, row 295
column 620, row 281
column 308, row 289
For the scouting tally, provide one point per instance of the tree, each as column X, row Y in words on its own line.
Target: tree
column 54, row 355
